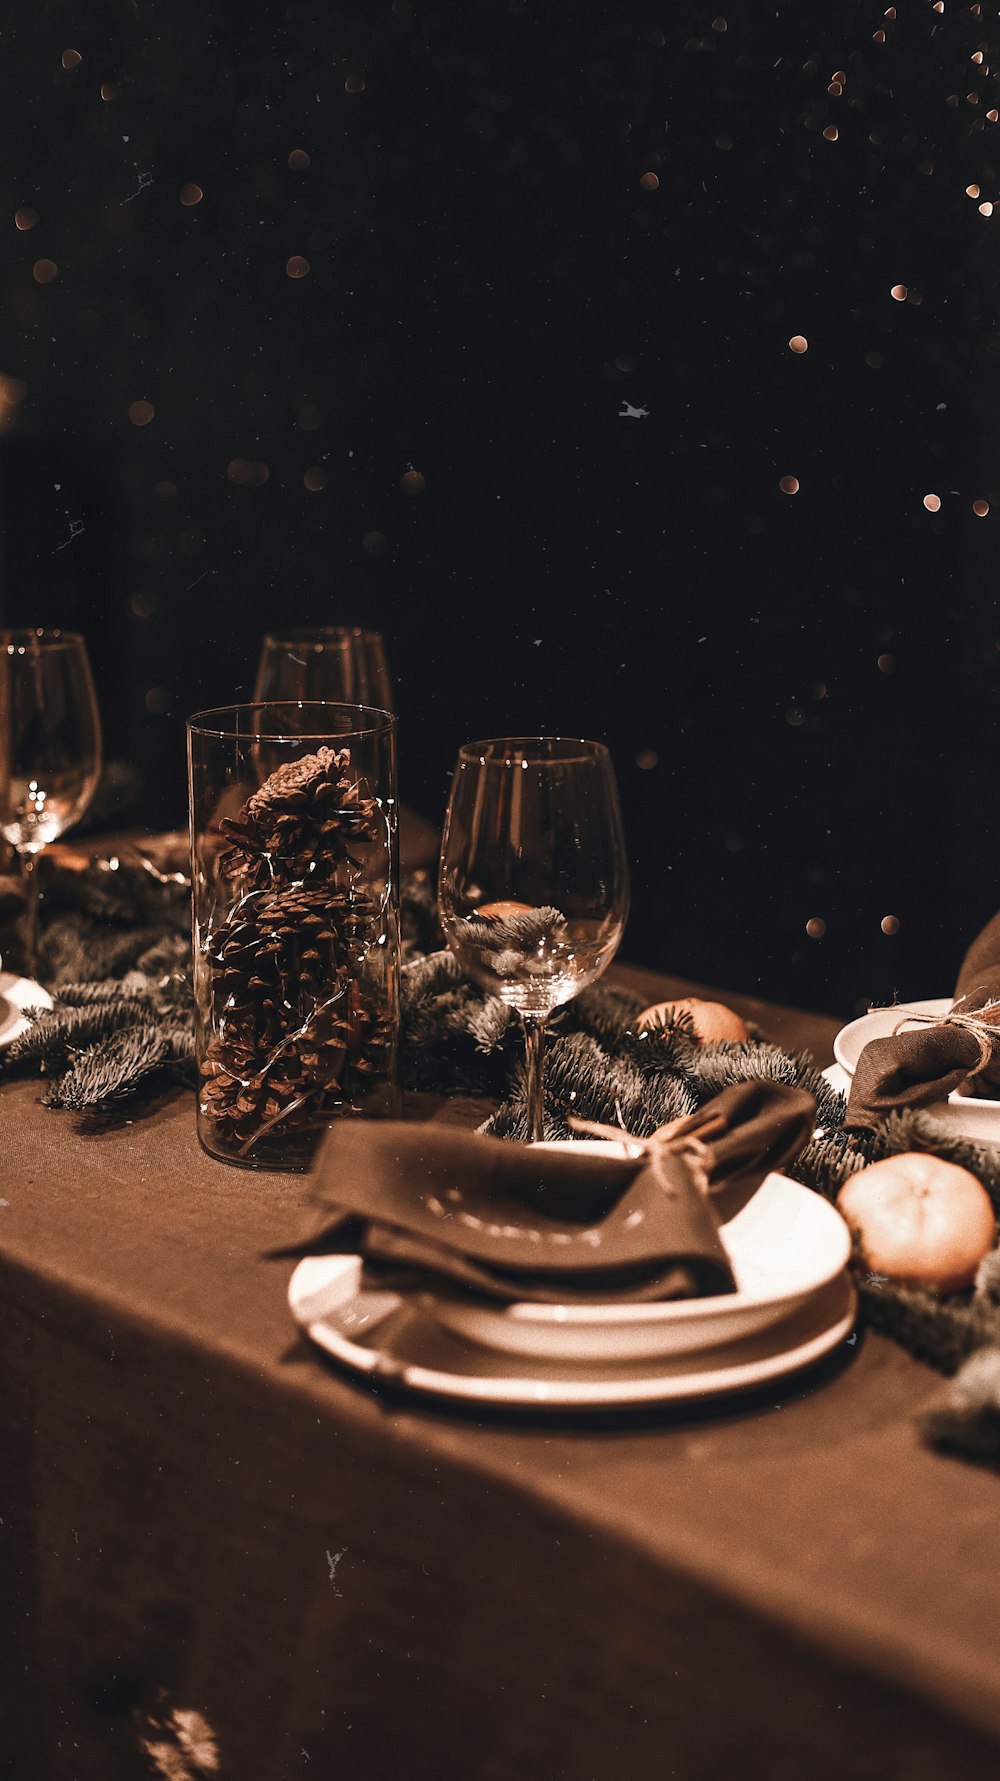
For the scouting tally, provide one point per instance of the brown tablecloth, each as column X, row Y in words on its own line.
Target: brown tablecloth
column 198, row 1515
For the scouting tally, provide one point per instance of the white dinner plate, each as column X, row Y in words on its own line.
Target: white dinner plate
column 786, row 1244
column 383, row 1337
column 972, row 1116
column 17, row 994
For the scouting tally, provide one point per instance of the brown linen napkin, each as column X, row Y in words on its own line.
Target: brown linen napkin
column 748, row 1129
column 435, row 1207
column 925, row 1064
column 979, row 977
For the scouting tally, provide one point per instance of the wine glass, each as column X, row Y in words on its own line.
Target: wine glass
column 533, row 887
column 50, row 749
column 340, row 662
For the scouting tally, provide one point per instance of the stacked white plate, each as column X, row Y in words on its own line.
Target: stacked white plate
column 794, row 1303
column 17, row 994
column 963, row 1114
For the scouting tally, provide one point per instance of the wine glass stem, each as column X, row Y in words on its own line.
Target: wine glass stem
column 29, row 874
column 534, row 1040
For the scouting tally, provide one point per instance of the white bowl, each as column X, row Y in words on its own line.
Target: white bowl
column 786, row 1244
column 881, row 1023
column 17, row 994
column 968, row 1115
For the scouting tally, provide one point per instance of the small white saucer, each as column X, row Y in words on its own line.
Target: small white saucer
column 967, row 1115
column 17, row 994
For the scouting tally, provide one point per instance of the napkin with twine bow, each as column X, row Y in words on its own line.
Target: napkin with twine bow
column 958, row 1050
column 434, row 1207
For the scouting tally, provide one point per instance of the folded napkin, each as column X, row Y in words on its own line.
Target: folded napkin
column 961, row 1050
column 432, row 1206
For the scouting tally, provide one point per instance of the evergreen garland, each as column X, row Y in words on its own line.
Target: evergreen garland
column 967, row 1421
column 122, row 1018
column 116, row 1065
column 116, row 959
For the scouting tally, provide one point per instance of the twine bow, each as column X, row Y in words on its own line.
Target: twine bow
column 984, row 1025
column 683, row 1137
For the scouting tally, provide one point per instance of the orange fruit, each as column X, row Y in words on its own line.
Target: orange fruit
column 920, row 1220
column 503, row 910
column 712, row 1021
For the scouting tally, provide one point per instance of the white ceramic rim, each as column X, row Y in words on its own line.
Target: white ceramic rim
column 926, row 1005
column 661, row 1311
column 17, row 994
column 580, row 1393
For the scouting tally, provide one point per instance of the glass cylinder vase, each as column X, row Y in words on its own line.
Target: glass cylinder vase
column 295, row 887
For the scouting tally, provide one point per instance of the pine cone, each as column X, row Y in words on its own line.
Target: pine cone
column 301, row 820
column 297, row 1030
column 296, row 1026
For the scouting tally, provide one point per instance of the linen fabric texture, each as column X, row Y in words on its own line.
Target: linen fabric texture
column 436, row 1207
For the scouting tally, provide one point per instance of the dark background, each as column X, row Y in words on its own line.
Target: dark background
column 514, row 218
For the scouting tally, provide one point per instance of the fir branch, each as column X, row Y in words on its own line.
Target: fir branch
column 74, row 952
column 666, row 1045
column 582, row 1078
column 940, row 1329
column 425, row 978
column 105, row 899
column 987, row 1284
column 490, row 1024
column 169, row 955
column 54, row 1033
column 826, row 1163
column 418, row 915
column 504, row 942
column 511, row 1121
column 111, row 1070
column 520, row 930
column 603, row 1009
column 85, row 995
column 719, row 1066
column 967, row 1420
column 125, row 892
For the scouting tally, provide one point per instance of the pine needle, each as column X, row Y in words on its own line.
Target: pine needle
column 112, row 1070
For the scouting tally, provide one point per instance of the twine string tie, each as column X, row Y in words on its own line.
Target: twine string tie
column 984, row 1025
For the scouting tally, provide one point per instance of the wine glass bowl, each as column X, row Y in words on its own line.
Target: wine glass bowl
column 50, row 747
column 324, row 662
column 533, row 886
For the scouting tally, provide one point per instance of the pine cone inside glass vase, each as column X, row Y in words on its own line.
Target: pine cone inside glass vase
column 298, row 1030
column 300, row 821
